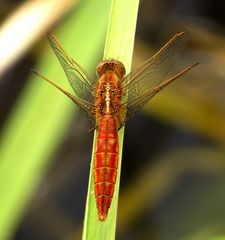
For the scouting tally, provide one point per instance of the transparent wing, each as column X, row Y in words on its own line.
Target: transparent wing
column 145, row 81
column 79, row 80
column 86, row 107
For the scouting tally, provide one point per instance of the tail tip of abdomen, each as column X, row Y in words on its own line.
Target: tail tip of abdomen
column 102, row 216
column 103, row 204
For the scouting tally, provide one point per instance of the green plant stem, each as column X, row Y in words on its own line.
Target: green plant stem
column 119, row 45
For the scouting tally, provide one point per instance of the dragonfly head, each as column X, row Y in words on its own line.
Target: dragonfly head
column 111, row 65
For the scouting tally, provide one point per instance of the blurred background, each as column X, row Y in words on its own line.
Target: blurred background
column 173, row 169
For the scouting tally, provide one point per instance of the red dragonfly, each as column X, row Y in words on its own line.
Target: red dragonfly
column 112, row 99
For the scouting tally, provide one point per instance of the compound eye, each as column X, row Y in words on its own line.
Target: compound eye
column 120, row 69
column 101, row 68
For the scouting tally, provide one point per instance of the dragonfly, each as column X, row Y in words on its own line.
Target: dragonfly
column 111, row 99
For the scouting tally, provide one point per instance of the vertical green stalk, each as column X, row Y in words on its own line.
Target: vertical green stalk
column 119, row 45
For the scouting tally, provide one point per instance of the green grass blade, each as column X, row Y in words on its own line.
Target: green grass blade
column 40, row 117
column 119, row 45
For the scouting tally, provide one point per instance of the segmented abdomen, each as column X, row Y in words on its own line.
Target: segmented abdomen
column 106, row 163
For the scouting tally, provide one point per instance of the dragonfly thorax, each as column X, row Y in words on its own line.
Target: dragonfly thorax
column 108, row 95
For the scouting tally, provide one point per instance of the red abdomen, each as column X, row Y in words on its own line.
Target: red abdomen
column 105, row 165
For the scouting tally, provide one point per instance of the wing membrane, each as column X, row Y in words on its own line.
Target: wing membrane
column 141, row 84
column 79, row 80
column 86, row 107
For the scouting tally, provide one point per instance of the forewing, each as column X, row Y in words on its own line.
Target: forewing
column 141, row 84
column 79, row 80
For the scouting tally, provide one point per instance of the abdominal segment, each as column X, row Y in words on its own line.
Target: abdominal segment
column 106, row 164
